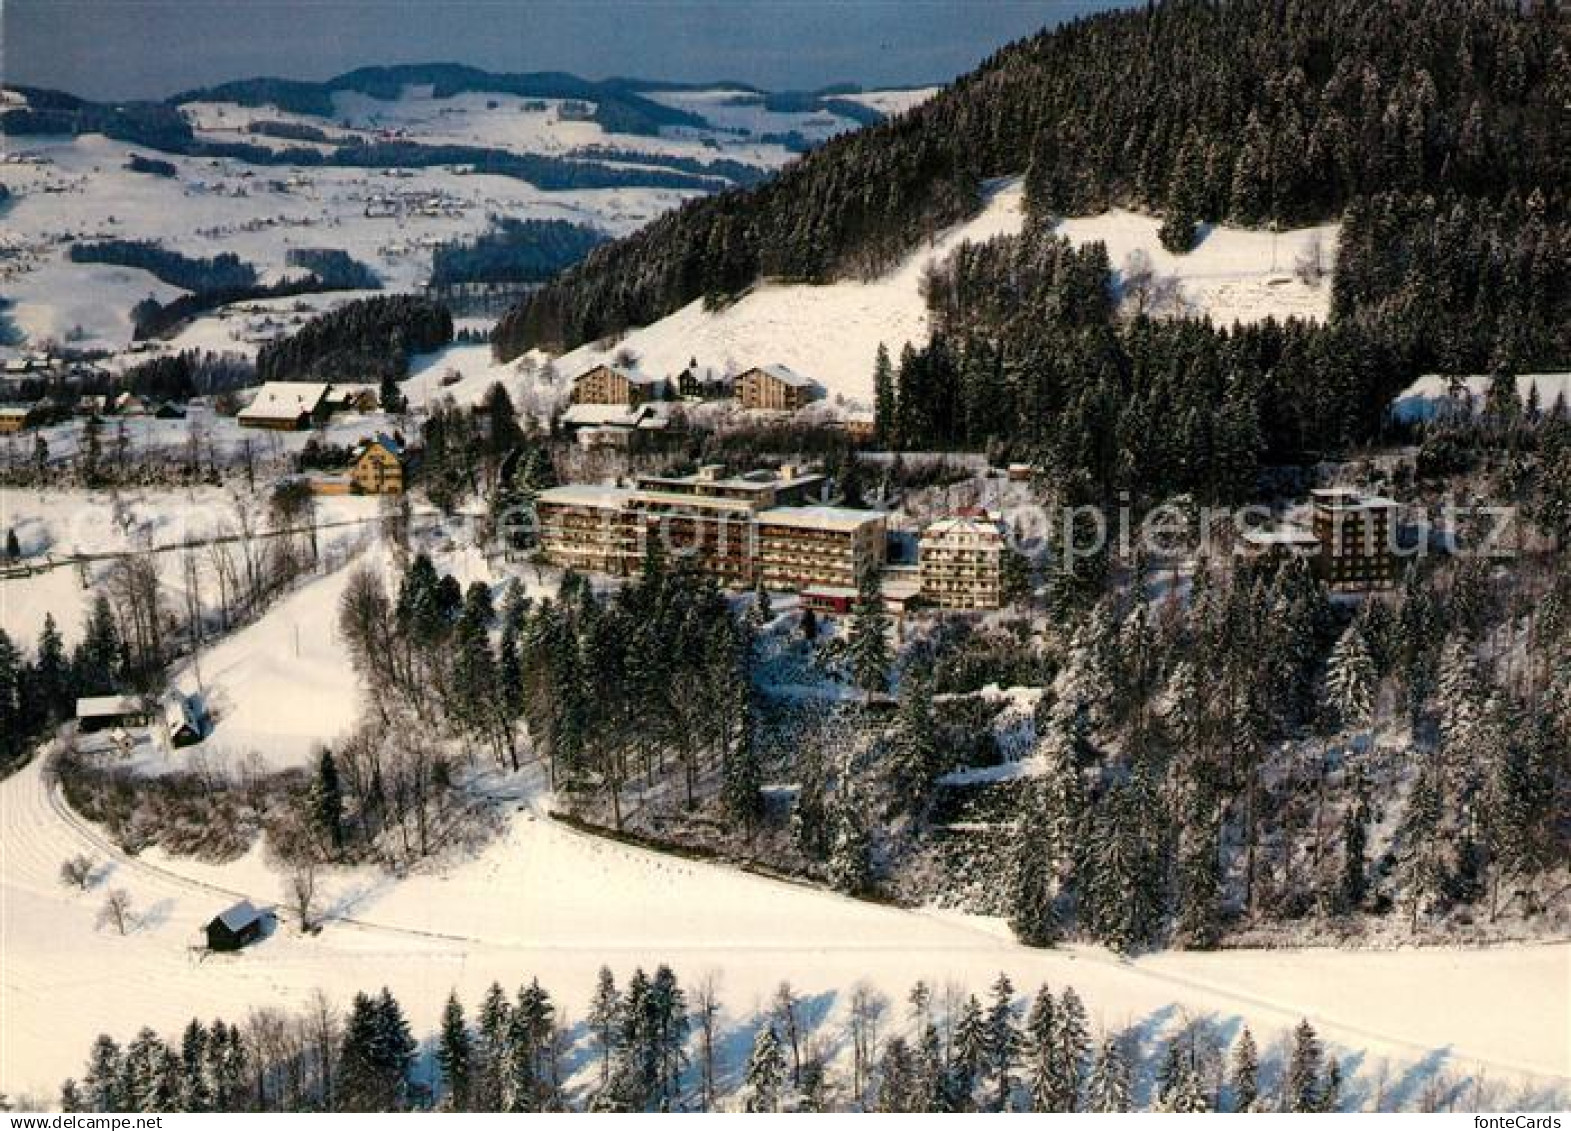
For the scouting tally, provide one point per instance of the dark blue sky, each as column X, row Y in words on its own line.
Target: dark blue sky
column 152, row 48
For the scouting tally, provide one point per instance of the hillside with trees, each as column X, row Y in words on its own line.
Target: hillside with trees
column 1254, row 112
column 366, row 340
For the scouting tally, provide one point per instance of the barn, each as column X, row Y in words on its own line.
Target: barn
column 234, row 928
column 102, row 712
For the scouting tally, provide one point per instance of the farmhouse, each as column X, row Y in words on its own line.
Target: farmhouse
column 613, row 384
column 101, row 712
column 234, row 928
column 775, row 388
column 377, row 466
column 287, row 406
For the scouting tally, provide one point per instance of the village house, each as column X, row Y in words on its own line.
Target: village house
column 961, row 561
column 353, row 398
column 775, row 388
column 377, row 466
column 14, row 418
column 611, row 425
column 287, row 406
column 614, row 384
column 697, row 383
column 1348, row 539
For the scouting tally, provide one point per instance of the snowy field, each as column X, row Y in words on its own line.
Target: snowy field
column 550, row 902
column 832, row 333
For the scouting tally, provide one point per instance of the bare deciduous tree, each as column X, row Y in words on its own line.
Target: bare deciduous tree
column 302, row 894
column 116, row 910
column 77, row 872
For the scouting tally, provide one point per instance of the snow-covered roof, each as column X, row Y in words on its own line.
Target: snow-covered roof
column 585, row 495
column 107, row 706
column 600, row 415
column 285, row 400
column 1346, row 498
column 786, row 375
column 16, row 411
column 971, row 521
column 381, row 439
column 1280, row 536
column 240, row 916
column 819, row 518
column 178, row 713
column 632, row 376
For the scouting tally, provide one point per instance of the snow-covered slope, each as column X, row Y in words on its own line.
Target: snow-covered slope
column 1424, row 397
column 1232, row 274
column 831, row 333
column 549, row 902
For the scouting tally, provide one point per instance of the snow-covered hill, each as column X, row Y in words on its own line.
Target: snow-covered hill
column 832, row 333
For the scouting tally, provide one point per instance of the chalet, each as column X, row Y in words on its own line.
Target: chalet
column 287, row 406
column 775, row 388
column 613, row 384
column 181, row 721
column 696, row 383
column 103, row 712
column 377, row 466
column 234, row 928
column 14, row 418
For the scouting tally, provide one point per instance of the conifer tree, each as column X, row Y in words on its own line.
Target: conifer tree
column 868, row 643
column 604, row 1008
column 1033, row 914
column 884, row 409
column 1108, row 1089
column 765, row 1071
column 1074, row 1047
column 1303, row 1070
column 1003, row 1041
column 327, row 800
column 455, row 1055
column 1244, row 1075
